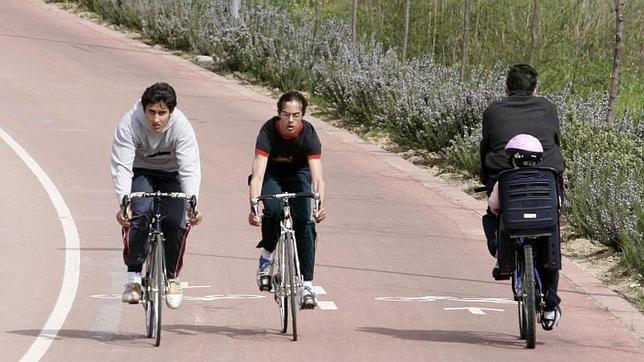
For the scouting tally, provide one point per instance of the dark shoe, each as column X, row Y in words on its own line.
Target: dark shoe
column 498, row 274
column 550, row 318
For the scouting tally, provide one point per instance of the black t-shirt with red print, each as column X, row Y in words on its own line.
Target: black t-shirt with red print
column 287, row 153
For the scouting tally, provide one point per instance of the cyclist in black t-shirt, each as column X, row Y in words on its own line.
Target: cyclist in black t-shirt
column 287, row 159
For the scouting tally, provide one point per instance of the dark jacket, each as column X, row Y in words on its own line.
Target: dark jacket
column 519, row 112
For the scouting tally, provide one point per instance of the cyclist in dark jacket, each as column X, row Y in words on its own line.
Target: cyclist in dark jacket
column 521, row 111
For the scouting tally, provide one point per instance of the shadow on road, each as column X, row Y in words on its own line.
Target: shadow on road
column 100, row 336
column 140, row 340
column 243, row 333
column 470, row 337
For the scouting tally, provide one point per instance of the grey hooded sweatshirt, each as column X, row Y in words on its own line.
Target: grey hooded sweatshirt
column 174, row 149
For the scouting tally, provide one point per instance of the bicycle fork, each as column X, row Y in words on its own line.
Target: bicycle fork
column 517, row 283
column 286, row 227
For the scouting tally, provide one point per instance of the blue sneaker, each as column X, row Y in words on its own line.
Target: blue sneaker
column 264, row 274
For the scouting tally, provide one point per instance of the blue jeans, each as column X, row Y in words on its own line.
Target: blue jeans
column 299, row 181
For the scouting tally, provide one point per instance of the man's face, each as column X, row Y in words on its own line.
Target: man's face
column 290, row 118
column 157, row 116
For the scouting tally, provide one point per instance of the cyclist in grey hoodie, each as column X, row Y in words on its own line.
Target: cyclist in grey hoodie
column 155, row 149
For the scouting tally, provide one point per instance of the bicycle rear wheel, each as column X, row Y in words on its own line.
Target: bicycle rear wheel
column 518, row 294
column 529, row 299
column 292, row 282
column 156, row 288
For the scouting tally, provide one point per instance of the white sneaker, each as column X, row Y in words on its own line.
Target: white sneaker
column 174, row 297
column 132, row 293
column 307, row 298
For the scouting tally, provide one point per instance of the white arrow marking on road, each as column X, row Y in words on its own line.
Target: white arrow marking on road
column 476, row 310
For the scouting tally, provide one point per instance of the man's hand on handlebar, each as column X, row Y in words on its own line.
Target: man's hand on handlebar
column 123, row 218
column 253, row 218
column 320, row 215
column 194, row 217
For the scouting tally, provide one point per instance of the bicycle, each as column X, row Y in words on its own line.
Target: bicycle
column 529, row 214
column 285, row 279
column 154, row 282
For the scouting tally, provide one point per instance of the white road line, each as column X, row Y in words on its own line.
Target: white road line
column 326, row 305
column 319, row 290
column 72, row 256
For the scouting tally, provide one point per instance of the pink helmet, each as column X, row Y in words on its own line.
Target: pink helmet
column 525, row 150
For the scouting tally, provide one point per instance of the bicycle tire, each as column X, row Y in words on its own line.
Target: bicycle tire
column 147, row 300
column 158, row 287
column 518, row 296
column 279, row 287
column 528, row 288
column 292, row 282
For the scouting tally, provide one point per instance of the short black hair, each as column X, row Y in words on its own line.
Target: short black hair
column 160, row 92
column 522, row 77
column 292, row 96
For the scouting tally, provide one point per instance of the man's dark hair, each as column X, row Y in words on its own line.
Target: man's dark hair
column 521, row 77
column 292, row 96
column 160, row 92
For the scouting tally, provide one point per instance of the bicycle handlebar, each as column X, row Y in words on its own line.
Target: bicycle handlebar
column 480, row 189
column 286, row 195
column 127, row 199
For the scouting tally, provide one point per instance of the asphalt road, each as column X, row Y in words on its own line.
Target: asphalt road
column 401, row 258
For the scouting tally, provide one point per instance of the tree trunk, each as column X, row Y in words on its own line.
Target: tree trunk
column 466, row 30
column 354, row 20
column 406, row 37
column 234, row 8
column 316, row 19
column 614, row 84
column 434, row 29
column 534, row 31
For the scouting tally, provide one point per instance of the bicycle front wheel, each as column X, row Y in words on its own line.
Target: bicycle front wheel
column 148, row 300
column 529, row 297
column 157, row 287
column 279, row 286
column 292, row 282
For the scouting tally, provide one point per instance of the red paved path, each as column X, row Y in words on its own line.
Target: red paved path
column 392, row 231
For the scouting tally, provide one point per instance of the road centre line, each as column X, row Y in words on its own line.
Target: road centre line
column 72, row 256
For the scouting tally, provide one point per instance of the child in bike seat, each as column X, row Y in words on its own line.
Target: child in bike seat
column 524, row 150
